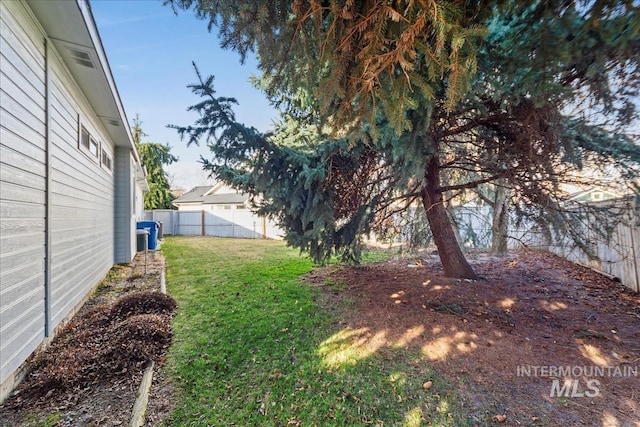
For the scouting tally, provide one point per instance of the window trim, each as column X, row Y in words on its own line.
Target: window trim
column 87, row 143
column 82, row 139
column 106, row 160
column 93, row 148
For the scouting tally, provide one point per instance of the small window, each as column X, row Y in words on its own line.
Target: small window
column 239, row 206
column 88, row 144
column 105, row 159
column 227, row 207
column 93, row 149
column 84, row 139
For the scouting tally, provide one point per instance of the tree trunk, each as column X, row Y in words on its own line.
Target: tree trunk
column 500, row 224
column 453, row 261
column 450, row 210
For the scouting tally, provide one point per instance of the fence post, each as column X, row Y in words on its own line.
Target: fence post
column 202, row 221
column 173, row 216
column 632, row 229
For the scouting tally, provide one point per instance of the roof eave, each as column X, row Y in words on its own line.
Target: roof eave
column 70, row 24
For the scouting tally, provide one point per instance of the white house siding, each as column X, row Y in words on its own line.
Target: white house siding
column 125, row 205
column 81, row 192
column 82, row 198
column 22, row 186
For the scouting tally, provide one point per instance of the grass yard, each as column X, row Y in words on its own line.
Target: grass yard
column 256, row 345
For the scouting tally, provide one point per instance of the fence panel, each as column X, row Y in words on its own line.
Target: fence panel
column 189, row 223
column 219, row 223
column 165, row 216
column 620, row 256
column 233, row 223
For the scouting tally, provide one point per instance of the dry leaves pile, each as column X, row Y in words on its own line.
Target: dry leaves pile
column 105, row 341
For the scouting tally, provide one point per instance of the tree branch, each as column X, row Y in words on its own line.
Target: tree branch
column 469, row 185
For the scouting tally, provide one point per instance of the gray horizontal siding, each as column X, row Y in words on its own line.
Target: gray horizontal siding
column 19, row 100
column 22, row 189
column 18, row 276
column 81, row 200
column 124, row 203
column 22, row 334
column 13, row 316
column 21, row 193
column 18, row 156
column 23, row 47
column 81, row 192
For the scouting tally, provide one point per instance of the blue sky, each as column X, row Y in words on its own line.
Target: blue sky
column 150, row 51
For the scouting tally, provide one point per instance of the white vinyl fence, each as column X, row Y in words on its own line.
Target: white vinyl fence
column 473, row 225
column 619, row 256
column 242, row 224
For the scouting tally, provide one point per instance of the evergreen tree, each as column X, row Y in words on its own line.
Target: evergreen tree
column 352, row 57
column 154, row 156
column 516, row 93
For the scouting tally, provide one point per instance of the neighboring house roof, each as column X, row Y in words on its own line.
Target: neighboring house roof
column 211, row 195
column 71, row 28
column 592, row 195
column 196, row 195
column 216, row 199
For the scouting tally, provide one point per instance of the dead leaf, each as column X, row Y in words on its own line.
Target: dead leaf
column 427, row 385
column 499, row 418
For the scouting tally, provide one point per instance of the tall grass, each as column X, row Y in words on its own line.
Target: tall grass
column 255, row 346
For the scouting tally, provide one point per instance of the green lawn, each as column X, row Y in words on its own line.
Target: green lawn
column 254, row 346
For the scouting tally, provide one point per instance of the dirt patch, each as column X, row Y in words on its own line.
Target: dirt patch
column 508, row 339
column 90, row 374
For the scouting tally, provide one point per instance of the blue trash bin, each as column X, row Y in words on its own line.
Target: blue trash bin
column 153, row 232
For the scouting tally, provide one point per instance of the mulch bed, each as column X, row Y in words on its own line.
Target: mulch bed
column 531, row 309
column 90, row 373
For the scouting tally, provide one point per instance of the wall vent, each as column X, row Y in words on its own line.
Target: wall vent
column 111, row 121
column 81, row 57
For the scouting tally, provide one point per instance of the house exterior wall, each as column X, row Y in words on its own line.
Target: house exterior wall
column 82, row 196
column 22, row 186
column 58, row 201
column 129, row 205
column 139, row 193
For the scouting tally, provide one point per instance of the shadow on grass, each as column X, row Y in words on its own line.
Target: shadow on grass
column 252, row 344
column 381, row 345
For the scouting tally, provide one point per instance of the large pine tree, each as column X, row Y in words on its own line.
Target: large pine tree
column 402, row 93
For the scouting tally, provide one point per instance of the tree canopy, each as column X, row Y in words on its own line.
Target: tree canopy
column 517, row 93
column 154, row 156
column 352, row 57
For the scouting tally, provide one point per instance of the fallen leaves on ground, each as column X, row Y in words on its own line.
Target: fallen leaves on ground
column 106, row 340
